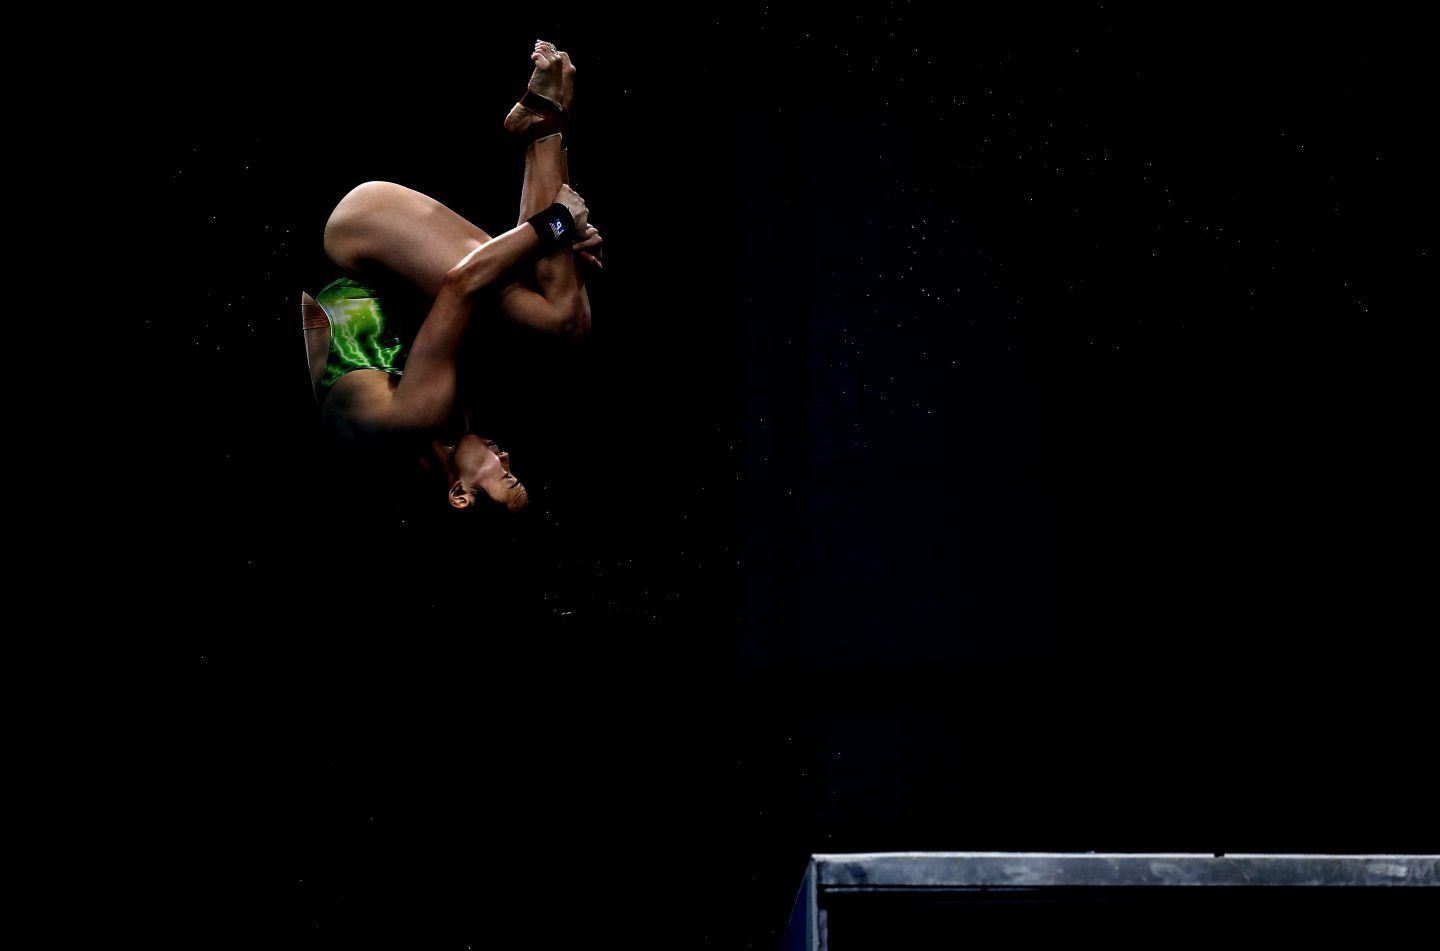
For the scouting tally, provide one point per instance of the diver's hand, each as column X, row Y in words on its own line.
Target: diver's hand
column 573, row 203
column 590, row 248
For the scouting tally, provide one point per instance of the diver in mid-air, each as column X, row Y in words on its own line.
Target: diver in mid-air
column 377, row 389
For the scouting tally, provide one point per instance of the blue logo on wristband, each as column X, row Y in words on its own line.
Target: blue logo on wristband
column 557, row 227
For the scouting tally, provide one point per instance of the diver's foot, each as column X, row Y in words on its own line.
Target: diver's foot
column 555, row 84
column 545, row 107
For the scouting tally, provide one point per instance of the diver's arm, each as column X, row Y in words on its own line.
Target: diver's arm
column 424, row 397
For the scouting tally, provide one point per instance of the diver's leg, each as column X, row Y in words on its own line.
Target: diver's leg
column 546, row 168
column 418, row 238
column 381, row 224
column 388, row 225
column 545, row 171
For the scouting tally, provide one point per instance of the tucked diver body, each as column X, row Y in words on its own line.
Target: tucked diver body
column 379, row 390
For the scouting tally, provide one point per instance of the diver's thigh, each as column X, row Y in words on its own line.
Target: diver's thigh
column 404, row 231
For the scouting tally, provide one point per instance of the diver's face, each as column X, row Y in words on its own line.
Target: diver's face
column 484, row 472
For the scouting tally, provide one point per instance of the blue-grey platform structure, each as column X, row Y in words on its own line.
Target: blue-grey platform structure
column 970, row 880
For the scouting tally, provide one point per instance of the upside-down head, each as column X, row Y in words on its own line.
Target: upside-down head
column 479, row 476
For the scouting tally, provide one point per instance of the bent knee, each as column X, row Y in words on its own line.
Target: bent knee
column 368, row 197
column 353, row 219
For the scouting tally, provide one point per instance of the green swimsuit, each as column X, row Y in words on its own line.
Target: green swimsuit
column 361, row 336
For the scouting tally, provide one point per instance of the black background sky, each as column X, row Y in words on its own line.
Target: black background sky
column 1000, row 430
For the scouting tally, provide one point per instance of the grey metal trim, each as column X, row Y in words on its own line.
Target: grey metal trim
column 819, row 939
column 802, row 932
column 895, row 871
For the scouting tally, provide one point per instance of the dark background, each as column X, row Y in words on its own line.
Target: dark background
column 999, row 431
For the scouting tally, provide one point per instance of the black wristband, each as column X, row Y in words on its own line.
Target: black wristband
column 554, row 227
